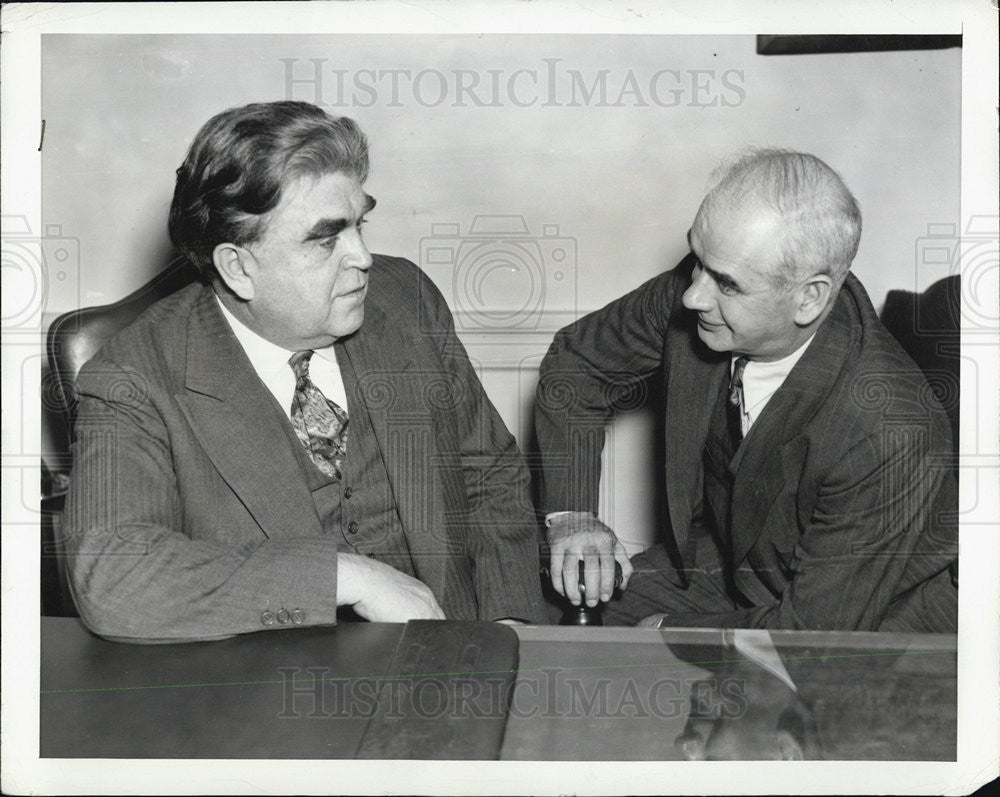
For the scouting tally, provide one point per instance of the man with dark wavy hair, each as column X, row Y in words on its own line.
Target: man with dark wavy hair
column 807, row 462
column 301, row 432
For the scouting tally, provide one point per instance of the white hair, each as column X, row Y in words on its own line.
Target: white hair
column 820, row 217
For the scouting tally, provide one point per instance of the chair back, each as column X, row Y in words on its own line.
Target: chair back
column 76, row 336
column 928, row 325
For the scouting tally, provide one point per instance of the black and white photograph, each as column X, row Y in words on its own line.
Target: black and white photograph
column 500, row 398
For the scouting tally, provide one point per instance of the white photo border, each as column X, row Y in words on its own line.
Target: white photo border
column 978, row 741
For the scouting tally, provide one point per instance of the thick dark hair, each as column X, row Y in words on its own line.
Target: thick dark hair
column 239, row 163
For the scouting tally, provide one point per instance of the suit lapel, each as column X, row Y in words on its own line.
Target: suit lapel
column 241, row 427
column 693, row 377
column 388, row 387
column 775, row 438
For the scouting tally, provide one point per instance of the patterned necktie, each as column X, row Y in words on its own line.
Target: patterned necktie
column 320, row 424
column 734, row 407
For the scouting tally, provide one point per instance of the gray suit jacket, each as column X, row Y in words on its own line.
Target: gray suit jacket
column 844, row 502
column 189, row 517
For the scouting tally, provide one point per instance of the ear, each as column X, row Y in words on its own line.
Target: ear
column 788, row 747
column 813, row 298
column 235, row 266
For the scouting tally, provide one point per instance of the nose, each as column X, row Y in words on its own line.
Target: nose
column 698, row 296
column 358, row 255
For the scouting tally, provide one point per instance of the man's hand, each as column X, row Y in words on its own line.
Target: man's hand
column 579, row 536
column 381, row 593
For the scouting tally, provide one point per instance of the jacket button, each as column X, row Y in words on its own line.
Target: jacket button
column 298, row 616
column 267, row 617
column 352, row 527
column 348, row 492
column 283, row 617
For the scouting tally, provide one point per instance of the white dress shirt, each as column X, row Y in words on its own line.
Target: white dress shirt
column 271, row 364
column 762, row 380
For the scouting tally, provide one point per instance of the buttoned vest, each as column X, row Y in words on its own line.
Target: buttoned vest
column 359, row 510
column 719, row 475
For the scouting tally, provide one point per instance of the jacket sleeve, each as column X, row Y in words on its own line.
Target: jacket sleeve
column 600, row 364
column 134, row 574
column 501, row 533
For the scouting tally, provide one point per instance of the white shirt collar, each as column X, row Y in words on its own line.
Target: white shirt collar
column 264, row 356
column 761, row 380
column 270, row 362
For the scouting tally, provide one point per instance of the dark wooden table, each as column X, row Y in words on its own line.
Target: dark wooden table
column 579, row 693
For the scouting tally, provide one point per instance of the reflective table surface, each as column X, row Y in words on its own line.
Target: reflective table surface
column 480, row 690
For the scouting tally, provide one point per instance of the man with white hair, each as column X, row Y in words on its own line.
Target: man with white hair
column 807, row 471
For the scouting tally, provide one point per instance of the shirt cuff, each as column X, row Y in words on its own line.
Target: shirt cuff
column 554, row 515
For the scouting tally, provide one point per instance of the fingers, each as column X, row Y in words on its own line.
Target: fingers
column 593, row 577
column 594, row 570
column 380, row 593
column 607, row 569
column 576, row 540
column 557, row 555
column 570, row 575
column 621, row 556
column 400, row 608
column 418, row 600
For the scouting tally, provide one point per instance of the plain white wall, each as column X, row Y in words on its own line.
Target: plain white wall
column 605, row 185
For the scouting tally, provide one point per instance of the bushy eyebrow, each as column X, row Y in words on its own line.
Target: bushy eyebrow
column 720, row 279
column 328, row 228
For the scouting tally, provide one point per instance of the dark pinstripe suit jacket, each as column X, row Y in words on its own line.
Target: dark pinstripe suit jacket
column 189, row 517
column 844, row 501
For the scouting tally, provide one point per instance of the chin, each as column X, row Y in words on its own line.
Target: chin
column 348, row 326
column 714, row 341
